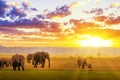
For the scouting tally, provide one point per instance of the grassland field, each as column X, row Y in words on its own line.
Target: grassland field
column 65, row 68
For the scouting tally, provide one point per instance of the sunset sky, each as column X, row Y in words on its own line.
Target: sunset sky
column 69, row 23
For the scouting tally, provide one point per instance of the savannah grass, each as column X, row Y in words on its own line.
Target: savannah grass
column 59, row 75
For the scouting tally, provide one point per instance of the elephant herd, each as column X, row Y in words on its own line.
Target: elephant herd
column 17, row 61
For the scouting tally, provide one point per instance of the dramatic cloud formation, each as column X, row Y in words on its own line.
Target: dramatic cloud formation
column 73, row 20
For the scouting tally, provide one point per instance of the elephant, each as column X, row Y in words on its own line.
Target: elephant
column 89, row 66
column 40, row 57
column 81, row 62
column 29, row 57
column 18, row 61
column 5, row 62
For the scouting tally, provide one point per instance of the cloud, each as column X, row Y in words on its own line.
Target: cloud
column 3, row 7
column 9, row 37
column 103, row 33
column 100, row 18
column 74, row 4
column 9, row 30
column 44, row 26
column 52, row 27
column 82, row 24
column 21, row 11
column 16, row 12
column 113, row 20
column 35, row 22
column 59, row 12
column 117, row 4
column 110, row 33
column 96, row 11
column 17, row 15
column 108, row 20
column 15, row 21
column 25, row 4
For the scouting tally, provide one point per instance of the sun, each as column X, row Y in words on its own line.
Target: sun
column 95, row 41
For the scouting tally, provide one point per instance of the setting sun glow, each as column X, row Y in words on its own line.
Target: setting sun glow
column 95, row 42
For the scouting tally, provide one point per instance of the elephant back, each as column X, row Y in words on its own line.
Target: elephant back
column 38, row 56
column 18, row 59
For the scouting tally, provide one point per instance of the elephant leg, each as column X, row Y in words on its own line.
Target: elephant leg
column 14, row 65
column 22, row 67
column 14, row 68
column 35, row 65
column 43, row 63
column 0, row 66
column 19, row 68
column 83, row 65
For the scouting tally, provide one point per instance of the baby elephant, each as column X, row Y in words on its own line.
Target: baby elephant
column 89, row 66
column 18, row 61
column 5, row 62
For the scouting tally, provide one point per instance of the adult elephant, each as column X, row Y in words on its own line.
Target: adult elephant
column 39, row 58
column 5, row 62
column 18, row 61
column 81, row 62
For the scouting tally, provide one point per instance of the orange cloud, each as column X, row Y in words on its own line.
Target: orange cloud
column 108, row 20
column 113, row 20
column 104, row 33
column 100, row 18
column 82, row 24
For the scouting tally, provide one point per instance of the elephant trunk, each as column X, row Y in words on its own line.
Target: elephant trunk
column 48, row 62
column 33, row 62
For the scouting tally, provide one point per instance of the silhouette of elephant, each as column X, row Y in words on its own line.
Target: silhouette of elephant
column 5, row 62
column 81, row 62
column 40, row 57
column 29, row 57
column 18, row 61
